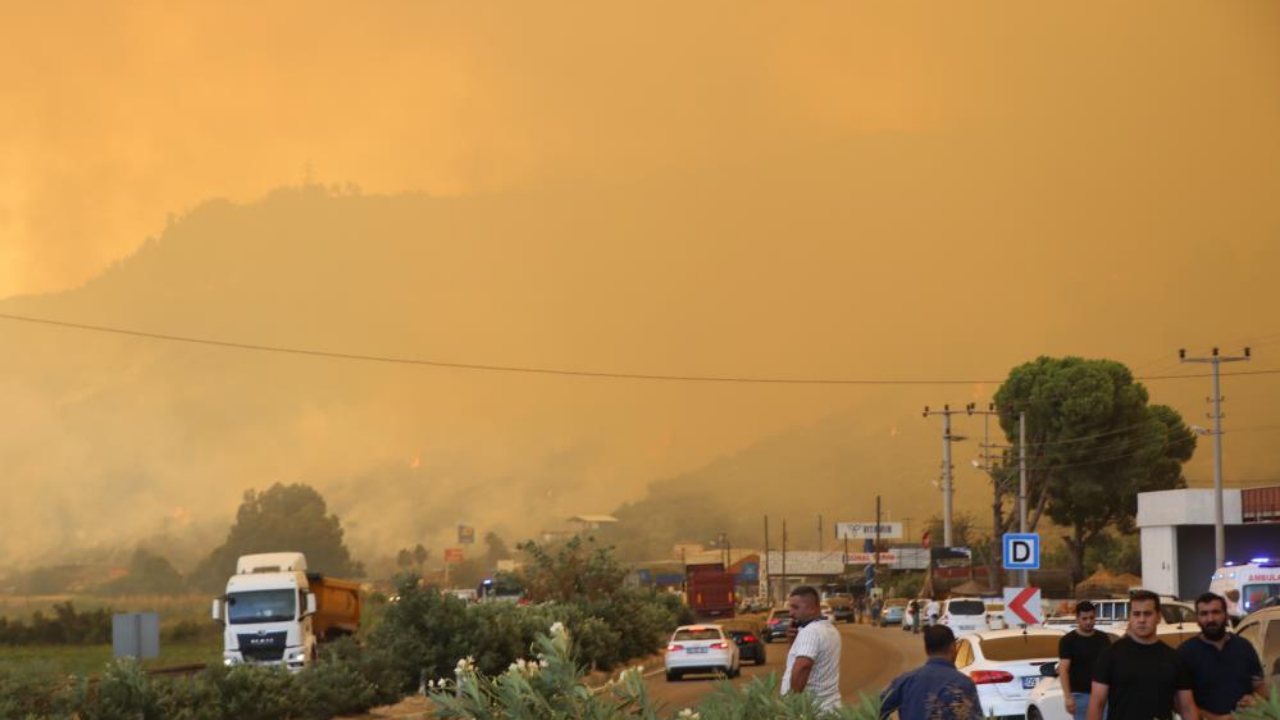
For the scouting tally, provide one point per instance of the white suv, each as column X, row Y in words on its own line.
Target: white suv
column 964, row 615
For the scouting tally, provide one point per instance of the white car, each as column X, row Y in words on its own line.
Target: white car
column 964, row 615
column 1005, row 666
column 1046, row 700
column 702, row 649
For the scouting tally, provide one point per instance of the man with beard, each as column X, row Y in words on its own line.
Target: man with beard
column 1225, row 670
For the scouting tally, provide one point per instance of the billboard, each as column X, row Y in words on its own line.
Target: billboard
column 466, row 534
column 453, row 555
column 863, row 531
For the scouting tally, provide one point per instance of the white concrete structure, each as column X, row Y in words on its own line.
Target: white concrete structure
column 1160, row 515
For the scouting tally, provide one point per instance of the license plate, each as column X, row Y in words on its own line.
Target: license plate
column 1030, row 682
column 696, row 650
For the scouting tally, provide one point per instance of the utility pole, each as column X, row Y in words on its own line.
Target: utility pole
column 784, row 557
column 1219, row 532
column 1022, row 482
column 876, row 549
column 986, row 463
column 947, row 489
column 768, row 580
column 819, row 533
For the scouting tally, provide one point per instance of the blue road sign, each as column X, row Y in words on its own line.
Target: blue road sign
column 1021, row 551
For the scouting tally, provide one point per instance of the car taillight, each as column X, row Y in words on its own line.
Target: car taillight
column 674, row 647
column 774, row 621
column 990, row 677
column 720, row 646
column 749, row 638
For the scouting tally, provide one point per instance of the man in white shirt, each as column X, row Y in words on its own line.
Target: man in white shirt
column 931, row 611
column 813, row 664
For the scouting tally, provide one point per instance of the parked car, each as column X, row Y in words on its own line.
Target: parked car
column 1046, row 701
column 777, row 624
column 749, row 637
column 964, row 615
column 1262, row 629
column 701, row 649
column 841, row 610
column 995, row 615
column 894, row 610
column 1005, row 665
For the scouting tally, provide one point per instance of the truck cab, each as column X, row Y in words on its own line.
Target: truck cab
column 267, row 612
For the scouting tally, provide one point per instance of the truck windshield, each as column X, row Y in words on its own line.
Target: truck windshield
column 261, row 606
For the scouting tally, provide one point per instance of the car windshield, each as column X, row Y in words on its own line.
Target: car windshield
column 259, row 606
column 698, row 634
column 967, row 607
column 781, row 614
column 1020, row 647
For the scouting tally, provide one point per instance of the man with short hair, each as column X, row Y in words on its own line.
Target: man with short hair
column 813, row 663
column 1078, row 651
column 1138, row 677
column 935, row 690
column 1225, row 670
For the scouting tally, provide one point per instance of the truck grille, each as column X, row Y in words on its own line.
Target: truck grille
column 264, row 647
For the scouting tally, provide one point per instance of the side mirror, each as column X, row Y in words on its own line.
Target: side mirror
column 311, row 604
column 1049, row 670
column 216, row 610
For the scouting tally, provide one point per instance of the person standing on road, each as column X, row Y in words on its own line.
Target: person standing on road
column 813, row 663
column 936, row 690
column 1138, row 677
column 917, row 608
column 1078, row 652
column 1225, row 670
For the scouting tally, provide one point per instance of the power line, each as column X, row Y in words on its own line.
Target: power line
column 614, row 375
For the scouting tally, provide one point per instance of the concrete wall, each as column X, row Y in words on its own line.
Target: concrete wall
column 1160, row 560
column 1186, row 507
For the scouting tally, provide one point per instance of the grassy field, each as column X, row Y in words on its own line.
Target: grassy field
column 204, row 647
column 90, row 659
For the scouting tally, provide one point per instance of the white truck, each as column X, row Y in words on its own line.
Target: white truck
column 276, row 613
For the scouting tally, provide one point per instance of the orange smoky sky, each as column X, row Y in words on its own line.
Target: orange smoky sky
column 116, row 114
column 831, row 189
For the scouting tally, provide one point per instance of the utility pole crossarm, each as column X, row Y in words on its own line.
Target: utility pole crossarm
column 1216, row 359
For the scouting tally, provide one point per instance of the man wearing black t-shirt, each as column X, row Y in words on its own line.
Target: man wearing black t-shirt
column 1224, row 668
column 1139, row 677
column 1078, row 652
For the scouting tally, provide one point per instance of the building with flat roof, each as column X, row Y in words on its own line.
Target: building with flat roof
column 1177, row 534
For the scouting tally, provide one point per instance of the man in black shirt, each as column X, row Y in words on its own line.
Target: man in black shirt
column 1078, row 650
column 1224, row 668
column 1139, row 677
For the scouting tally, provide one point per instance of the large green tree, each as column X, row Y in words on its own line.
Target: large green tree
column 282, row 518
column 1093, row 443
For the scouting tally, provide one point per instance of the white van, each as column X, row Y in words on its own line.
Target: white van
column 964, row 615
column 1246, row 587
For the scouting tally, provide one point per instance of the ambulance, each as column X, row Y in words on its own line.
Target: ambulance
column 1247, row 586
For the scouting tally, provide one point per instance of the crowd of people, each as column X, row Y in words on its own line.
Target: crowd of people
column 1136, row 677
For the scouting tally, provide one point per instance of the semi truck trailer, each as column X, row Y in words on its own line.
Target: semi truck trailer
column 276, row 613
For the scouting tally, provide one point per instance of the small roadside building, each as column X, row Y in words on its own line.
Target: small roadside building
column 1177, row 534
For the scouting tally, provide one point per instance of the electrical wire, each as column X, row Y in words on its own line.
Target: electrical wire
column 614, row 375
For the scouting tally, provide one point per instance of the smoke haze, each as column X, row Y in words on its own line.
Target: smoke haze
column 864, row 191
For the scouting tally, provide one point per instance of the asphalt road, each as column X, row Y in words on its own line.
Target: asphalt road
column 870, row 657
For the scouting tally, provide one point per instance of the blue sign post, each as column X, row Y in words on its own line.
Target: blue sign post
column 1021, row 551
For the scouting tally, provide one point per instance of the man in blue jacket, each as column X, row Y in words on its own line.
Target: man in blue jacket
column 935, row 690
